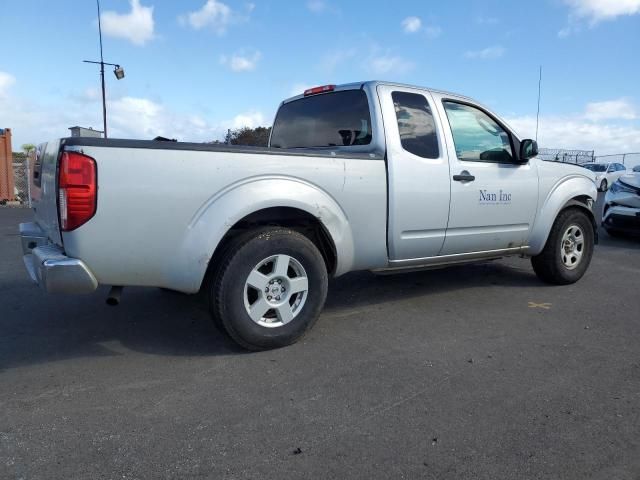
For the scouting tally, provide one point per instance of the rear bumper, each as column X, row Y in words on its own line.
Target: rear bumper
column 50, row 268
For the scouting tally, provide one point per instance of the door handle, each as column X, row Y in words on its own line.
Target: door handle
column 464, row 176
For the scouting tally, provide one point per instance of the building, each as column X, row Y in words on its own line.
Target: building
column 6, row 166
column 85, row 132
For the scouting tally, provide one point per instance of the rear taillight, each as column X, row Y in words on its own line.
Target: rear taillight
column 78, row 190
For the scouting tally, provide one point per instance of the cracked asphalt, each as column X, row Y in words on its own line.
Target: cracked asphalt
column 474, row 371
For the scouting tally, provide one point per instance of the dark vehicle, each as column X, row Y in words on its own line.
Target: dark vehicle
column 622, row 206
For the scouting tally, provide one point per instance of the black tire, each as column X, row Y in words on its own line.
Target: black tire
column 604, row 185
column 228, row 290
column 217, row 263
column 549, row 264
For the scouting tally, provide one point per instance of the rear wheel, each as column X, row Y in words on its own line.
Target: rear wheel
column 270, row 288
column 568, row 251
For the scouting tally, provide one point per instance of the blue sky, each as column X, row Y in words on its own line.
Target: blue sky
column 196, row 67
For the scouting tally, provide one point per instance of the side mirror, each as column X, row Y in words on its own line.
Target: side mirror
column 528, row 149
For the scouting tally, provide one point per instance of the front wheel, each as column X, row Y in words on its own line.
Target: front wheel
column 270, row 289
column 568, row 251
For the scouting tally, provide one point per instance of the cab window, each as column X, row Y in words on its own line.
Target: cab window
column 477, row 137
column 415, row 124
column 339, row 119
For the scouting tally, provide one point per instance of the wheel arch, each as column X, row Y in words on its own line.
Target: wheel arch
column 569, row 191
column 574, row 192
column 274, row 201
column 287, row 217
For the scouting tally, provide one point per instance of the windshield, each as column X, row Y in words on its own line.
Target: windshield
column 327, row 120
column 596, row 167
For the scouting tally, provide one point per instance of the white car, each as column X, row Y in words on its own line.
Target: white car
column 622, row 206
column 606, row 173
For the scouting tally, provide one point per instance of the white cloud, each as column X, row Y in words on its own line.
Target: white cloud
column 135, row 26
column 606, row 127
column 239, row 62
column 250, row 119
column 411, row 24
column 127, row 116
column 386, row 63
column 573, row 133
column 143, row 118
column 149, row 117
column 489, row 53
column 414, row 25
column 6, row 81
column 133, row 117
column 214, row 14
column 598, row 10
column 620, row 109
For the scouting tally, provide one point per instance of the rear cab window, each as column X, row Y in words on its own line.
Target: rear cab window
column 336, row 119
column 416, row 125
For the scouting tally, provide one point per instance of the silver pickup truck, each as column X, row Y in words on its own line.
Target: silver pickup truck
column 375, row 175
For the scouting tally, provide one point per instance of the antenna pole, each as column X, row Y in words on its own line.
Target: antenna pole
column 104, row 102
column 538, row 113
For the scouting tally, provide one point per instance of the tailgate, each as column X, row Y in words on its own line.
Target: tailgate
column 44, row 189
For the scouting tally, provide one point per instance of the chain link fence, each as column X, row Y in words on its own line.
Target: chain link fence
column 580, row 157
column 577, row 157
column 21, row 182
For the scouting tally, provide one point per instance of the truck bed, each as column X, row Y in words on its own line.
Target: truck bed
column 162, row 207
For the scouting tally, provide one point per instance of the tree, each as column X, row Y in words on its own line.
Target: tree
column 28, row 148
column 254, row 137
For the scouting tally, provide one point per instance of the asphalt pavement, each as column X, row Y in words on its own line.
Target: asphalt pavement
column 477, row 371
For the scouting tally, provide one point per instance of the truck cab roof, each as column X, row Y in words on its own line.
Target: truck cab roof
column 372, row 84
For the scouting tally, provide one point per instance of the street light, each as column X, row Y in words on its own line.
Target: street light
column 118, row 71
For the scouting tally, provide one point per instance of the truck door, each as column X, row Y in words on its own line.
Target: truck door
column 418, row 173
column 493, row 198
